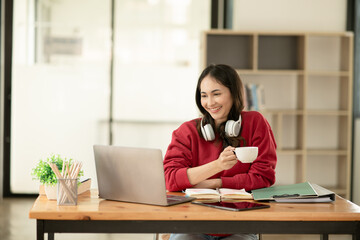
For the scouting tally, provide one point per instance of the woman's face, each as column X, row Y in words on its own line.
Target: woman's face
column 215, row 99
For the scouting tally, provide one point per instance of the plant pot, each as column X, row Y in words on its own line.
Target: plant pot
column 50, row 191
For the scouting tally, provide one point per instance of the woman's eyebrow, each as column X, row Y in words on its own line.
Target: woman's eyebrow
column 215, row 90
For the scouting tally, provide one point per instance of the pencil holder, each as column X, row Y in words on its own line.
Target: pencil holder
column 67, row 191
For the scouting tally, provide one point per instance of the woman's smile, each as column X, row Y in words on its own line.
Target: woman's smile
column 215, row 110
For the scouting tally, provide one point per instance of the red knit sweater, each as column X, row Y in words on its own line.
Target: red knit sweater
column 187, row 149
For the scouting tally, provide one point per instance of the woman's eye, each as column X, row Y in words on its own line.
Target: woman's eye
column 203, row 96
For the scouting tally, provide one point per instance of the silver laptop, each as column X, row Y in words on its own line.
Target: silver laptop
column 133, row 175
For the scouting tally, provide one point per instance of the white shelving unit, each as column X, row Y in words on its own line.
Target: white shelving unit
column 307, row 77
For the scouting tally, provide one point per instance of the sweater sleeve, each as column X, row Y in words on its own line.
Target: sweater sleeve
column 262, row 171
column 178, row 159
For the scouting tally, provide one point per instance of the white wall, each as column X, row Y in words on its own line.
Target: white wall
column 290, row 15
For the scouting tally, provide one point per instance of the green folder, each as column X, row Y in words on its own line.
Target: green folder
column 300, row 192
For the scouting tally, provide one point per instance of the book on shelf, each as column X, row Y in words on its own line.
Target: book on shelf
column 260, row 96
column 218, row 194
column 254, row 97
column 248, row 99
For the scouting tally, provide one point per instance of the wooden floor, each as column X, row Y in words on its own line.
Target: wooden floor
column 16, row 225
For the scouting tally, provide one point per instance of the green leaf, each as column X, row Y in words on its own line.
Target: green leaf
column 43, row 172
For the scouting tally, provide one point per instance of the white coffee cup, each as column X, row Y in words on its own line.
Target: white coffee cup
column 246, row 154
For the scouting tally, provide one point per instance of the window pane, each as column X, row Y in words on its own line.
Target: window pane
column 157, row 63
column 60, row 85
column 61, row 77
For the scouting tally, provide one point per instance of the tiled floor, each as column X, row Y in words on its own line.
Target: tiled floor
column 16, row 225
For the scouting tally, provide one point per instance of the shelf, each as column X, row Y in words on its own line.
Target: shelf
column 306, row 79
column 270, row 72
column 310, row 112
column 279, row 52
column 235, row 50
column 293, row 72
column 327, row 152
column 282, row 111
column 290, row 151
column 329, row 73
column 328, row 52
column 320, row 112
column 313, row 152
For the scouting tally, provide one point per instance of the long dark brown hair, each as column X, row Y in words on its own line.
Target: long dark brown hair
column 228, row 77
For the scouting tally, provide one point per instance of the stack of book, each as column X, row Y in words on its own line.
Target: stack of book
column 254, row 97
column 300, row 192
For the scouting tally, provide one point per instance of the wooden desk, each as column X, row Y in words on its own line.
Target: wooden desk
column 94, row 215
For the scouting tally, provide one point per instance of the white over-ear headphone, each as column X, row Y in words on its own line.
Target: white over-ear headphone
column 232, row 129
column 207, row 131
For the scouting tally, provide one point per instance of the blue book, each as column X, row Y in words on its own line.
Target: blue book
column 254, row 96
column 249, row 97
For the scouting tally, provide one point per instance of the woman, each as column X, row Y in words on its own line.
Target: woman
column 201, row 151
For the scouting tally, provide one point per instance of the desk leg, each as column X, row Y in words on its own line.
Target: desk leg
column 40, row 230
column 356, row 234
column 51, row 236
column 324, row 236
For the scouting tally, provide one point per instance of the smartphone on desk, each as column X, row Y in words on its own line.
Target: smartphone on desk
column 233, row 206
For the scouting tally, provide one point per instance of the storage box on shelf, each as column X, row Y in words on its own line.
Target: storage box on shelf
column 307, row 80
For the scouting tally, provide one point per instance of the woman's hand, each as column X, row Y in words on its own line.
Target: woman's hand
column 227, row 158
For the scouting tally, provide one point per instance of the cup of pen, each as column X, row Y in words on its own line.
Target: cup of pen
column 67, row 183
column 67, row 191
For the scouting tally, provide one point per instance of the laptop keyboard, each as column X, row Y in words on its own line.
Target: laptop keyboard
column 174, row 198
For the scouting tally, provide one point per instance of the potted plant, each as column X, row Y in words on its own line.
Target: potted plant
column 46, row 176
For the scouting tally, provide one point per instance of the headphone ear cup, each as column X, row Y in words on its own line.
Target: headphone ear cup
column 204, row 133
column 229, row 128
column 232, row 128
column 208, row 132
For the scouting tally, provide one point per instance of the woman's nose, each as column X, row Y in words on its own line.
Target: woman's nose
column 211, row 101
